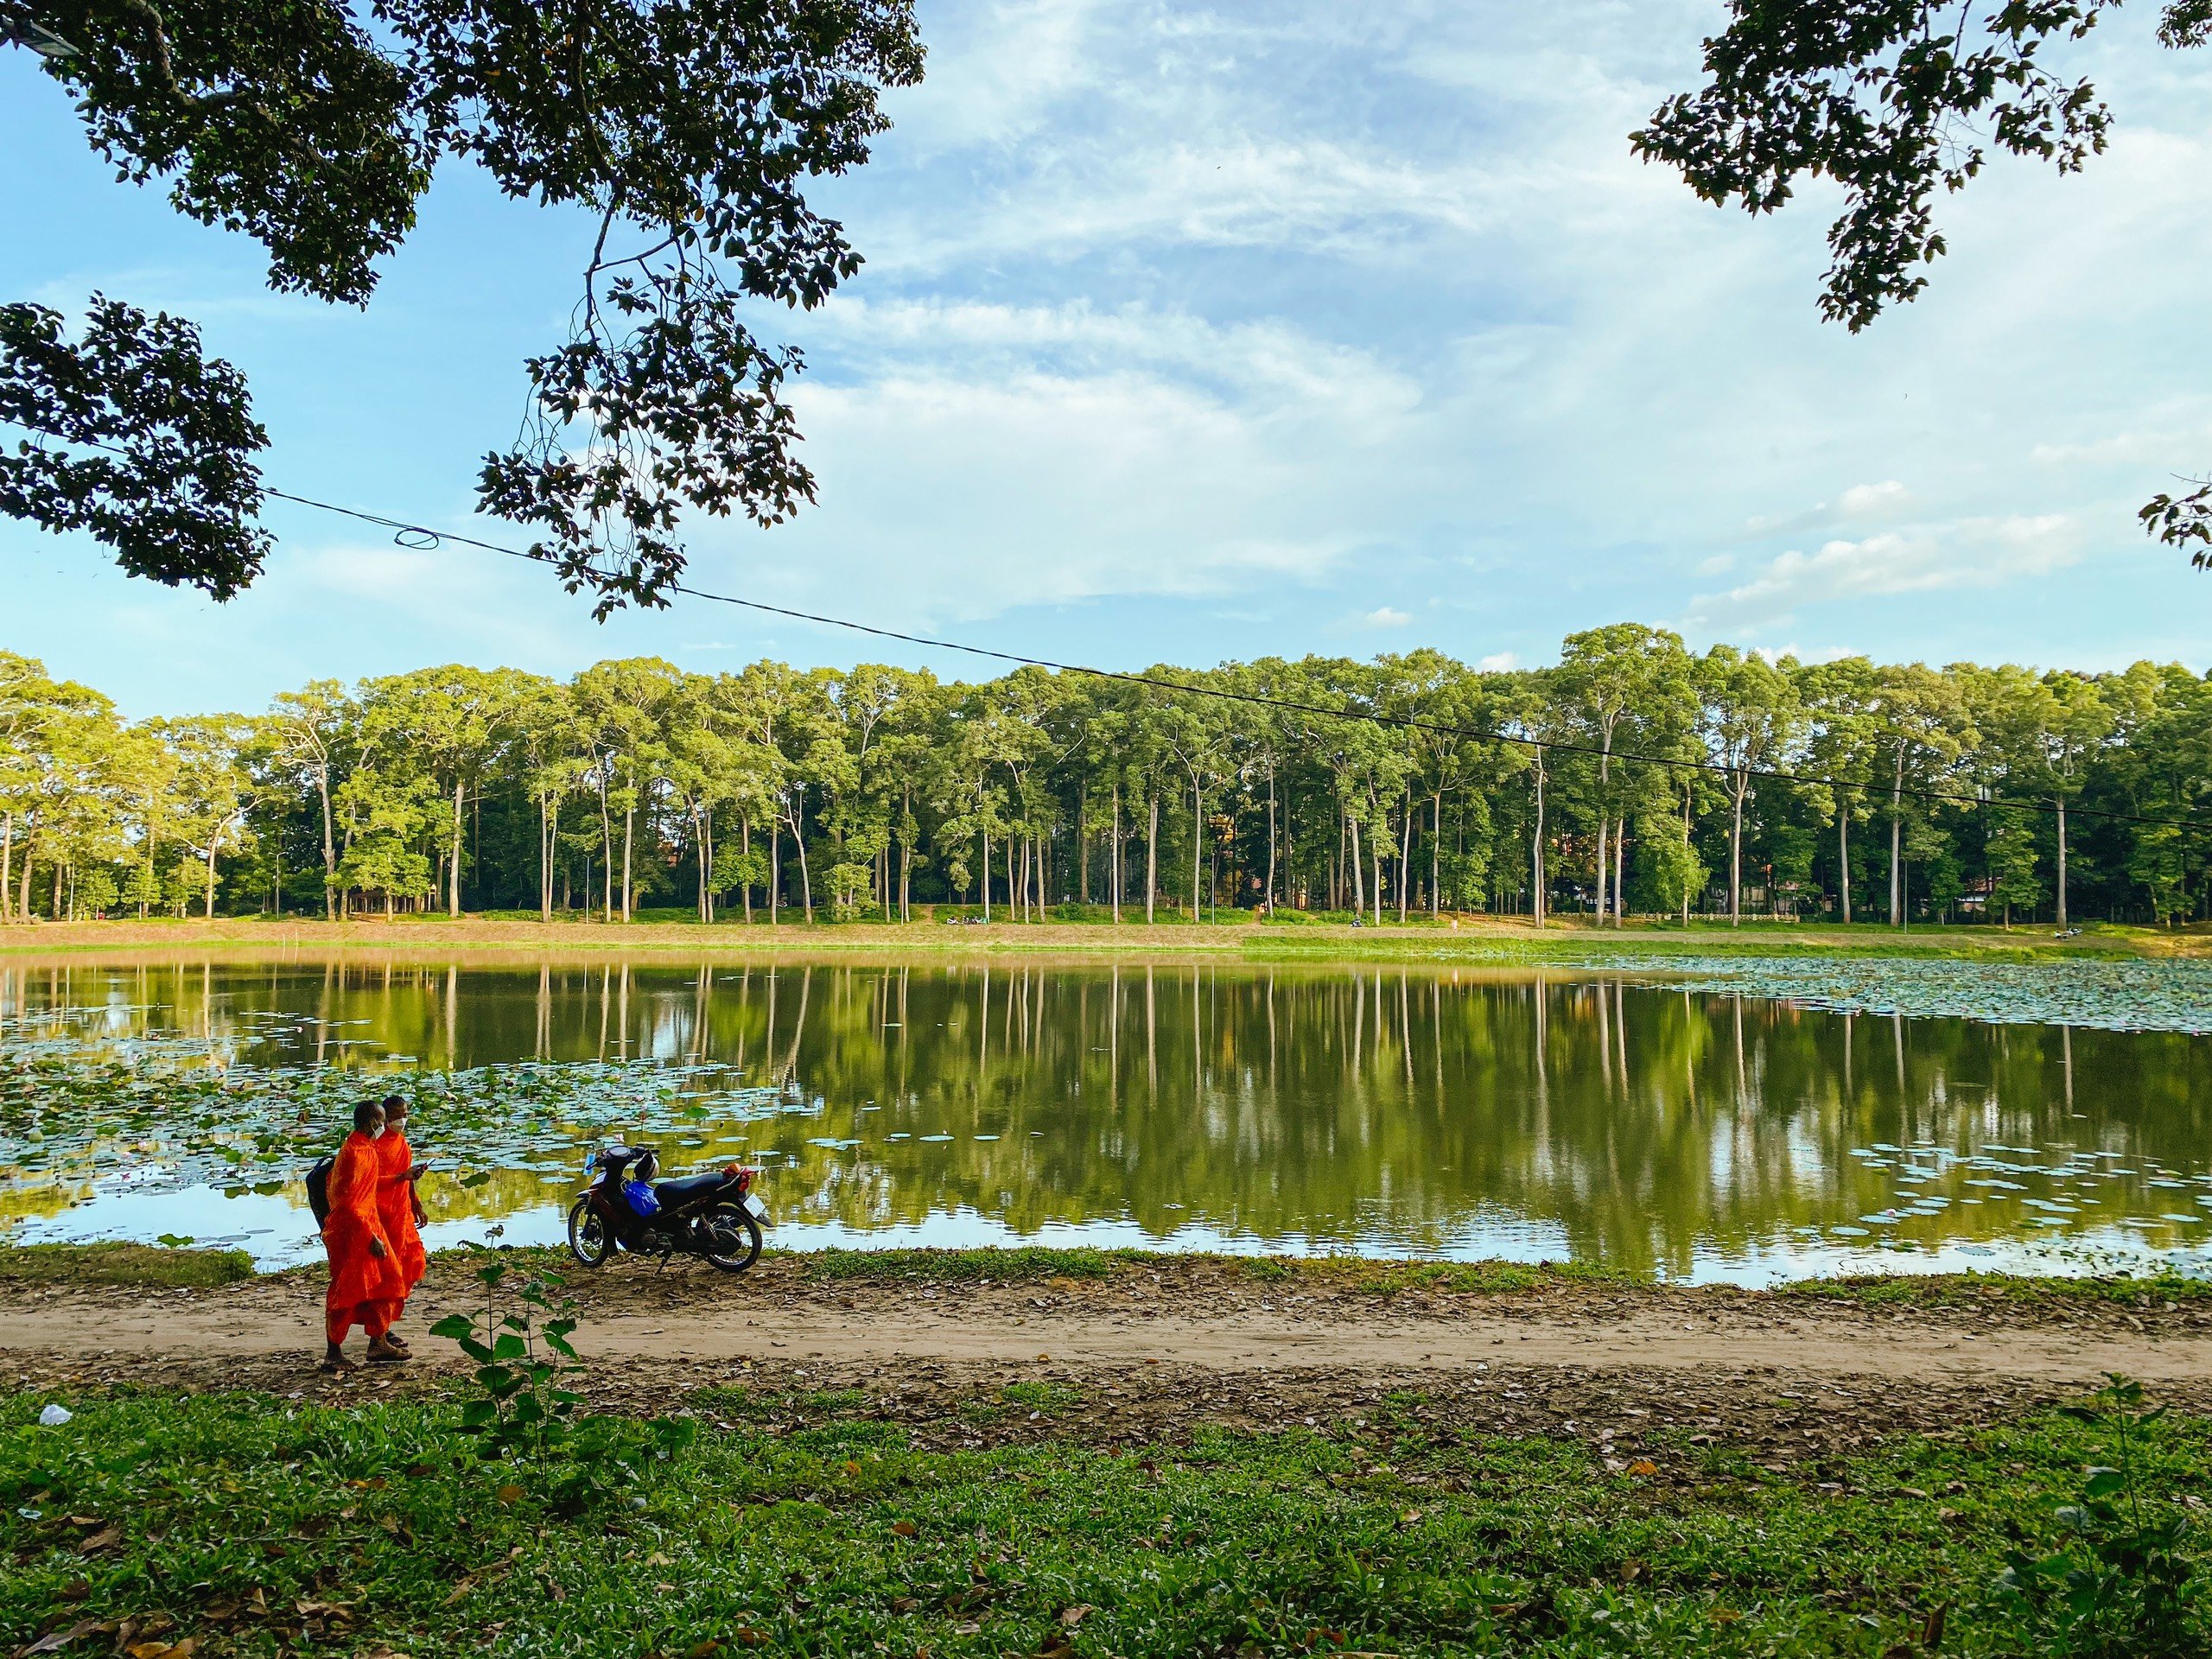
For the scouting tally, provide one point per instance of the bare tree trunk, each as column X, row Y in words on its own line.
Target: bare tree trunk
column 1197, row 839
column 1436, row 856
column 1358, row 878
column 2061, row 861
column 1152, row 860
column 544, row 861
column 330, row 846
column 1843, row 857
column 1406, row 860
column 1537, row 849
column 1736, row 853
column 629, row 881
column 1014, row 911
column 453, row 867
column 1620, row 871
column 798, row 840
column 1897, row 841
column 745, row 851
column 1270, row 906
column 8, row 865
column 1603, row 824
column 984, row 871
column 208, row 910
column 1689, row 789
column 607, row 849
column 1115, row 875
column 775, row 861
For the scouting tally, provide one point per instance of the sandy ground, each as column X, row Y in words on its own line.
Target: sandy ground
column 1156, row 1350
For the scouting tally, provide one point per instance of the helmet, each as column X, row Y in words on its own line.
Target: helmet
column 647, row 1165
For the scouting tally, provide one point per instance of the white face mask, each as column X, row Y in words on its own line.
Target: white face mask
column 377, row 1133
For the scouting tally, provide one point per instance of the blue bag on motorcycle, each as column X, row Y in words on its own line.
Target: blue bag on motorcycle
column 641, row 1199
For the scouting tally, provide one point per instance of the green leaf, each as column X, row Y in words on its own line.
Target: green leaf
column 2103, row 1482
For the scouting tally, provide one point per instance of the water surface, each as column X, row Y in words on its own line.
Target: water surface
column 1693, row 1130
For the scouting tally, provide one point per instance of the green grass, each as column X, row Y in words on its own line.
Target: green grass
column 259, row 1527
column 1457, row 1278
column 153, row 1266
column 1955, row 1289
column 961, row 1267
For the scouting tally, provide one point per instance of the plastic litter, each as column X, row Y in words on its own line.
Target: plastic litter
column 54, row 1416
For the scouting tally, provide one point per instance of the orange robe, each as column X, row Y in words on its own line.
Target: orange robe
column 364, row 1289
column 395, row 1206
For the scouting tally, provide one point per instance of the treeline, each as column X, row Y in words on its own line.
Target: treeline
column 843, row 795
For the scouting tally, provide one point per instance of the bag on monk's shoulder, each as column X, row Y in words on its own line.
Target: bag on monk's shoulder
column 319, row 1190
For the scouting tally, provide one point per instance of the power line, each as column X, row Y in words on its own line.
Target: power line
column 421, row 538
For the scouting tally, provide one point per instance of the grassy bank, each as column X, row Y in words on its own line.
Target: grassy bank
column 796, row 1525
column 141, row 1266
column 156, row 1267
column 1241, row 936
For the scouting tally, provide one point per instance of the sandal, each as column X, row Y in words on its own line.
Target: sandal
column 389, row 1358
column 337, row 1367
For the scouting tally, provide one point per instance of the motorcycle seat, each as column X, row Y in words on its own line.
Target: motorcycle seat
column 688, row 1186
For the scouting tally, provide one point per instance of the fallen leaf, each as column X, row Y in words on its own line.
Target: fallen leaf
column 746, row 1637
column 54, row 1642
column 1643, row 1467
column 509, row 1494
column 706, row 1649
column 903, row 1529
column 460, row 1592
column 1074, row 1616
column 81, row 1590
column 852, row 1467
column 108, row 1538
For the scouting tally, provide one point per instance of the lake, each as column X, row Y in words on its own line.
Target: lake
column 1690, row 1130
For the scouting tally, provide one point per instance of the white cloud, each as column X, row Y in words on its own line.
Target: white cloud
column 1498, row 661
column 1386, row 616
column 1976, row 553
column 1874, row 500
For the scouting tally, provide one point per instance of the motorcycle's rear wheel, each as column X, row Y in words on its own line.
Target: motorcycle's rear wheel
column 728, row 1225
column 589, row 1240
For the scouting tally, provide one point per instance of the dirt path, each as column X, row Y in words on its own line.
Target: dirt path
column 1193, row 1316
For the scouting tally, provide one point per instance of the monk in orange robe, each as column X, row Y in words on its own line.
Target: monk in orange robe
column 366, row 1286
column 398, row 1204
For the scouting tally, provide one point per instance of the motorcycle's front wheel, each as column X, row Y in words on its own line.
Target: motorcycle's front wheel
column 734, row 1236
column 590, row 1241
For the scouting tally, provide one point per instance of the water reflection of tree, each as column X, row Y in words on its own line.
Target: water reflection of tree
column 1343, row 1107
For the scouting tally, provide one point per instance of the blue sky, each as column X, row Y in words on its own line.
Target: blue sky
column 1190, row 334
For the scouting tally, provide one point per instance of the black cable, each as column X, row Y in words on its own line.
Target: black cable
column 1403, row 721
column 421, row 537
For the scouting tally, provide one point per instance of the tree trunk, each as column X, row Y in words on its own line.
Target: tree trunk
column 1406, row 860
column 629, row 880
column 1152, row 860
column 607, row 849
column 1537, row 849
column 1620, row 871
column 1082, row 844
column 1014, row 911
column 984, row 872
column 775, row 862
column 1603, row 824
column 208, row 912
column 1268, row 907
column 1198, row 840
column 2062, row 864
column 798, row 840
column 1114, row 875
column 544, row 860
column 1358, row 875
column 1843, row 858
column 1897, row 842
column 330, row 846
column 745, row 851
column 1736, row 851
column 1689, row 789
column 1436, row 856
column 8, row 866
column 453, row 854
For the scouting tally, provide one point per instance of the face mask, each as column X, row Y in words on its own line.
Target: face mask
column 377, row 1133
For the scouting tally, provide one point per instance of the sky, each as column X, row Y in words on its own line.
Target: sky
column 1191, row 335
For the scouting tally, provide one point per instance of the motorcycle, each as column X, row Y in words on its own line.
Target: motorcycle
column 716, row 1215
